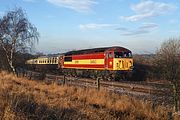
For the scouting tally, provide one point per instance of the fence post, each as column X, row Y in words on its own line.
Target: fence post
column 24, row 71
column 98, row 83
column 17, row 72
column 30, row 75
column 64, row 80
column 43, row 75
column 170, row 116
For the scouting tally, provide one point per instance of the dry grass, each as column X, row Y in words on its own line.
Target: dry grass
column 25, row 99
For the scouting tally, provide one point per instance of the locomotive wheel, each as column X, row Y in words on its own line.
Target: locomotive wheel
column 86, row 74
column 79, row 73
column 92, row 74
column 108, row 76
column 73, row 72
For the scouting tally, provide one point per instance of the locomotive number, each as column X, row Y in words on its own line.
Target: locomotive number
column 76, row 61
column 93, row 61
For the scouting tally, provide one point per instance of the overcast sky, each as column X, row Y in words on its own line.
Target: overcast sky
column 140, row 25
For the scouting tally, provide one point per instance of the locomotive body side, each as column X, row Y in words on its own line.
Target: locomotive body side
column 85, row 61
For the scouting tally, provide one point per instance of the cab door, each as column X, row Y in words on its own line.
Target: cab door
column 106, row 60
column 109, row 60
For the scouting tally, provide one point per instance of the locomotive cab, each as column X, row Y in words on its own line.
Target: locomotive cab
column 123, row 60
column 118, row 59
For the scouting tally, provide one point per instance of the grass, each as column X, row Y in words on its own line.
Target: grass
column 24, row 99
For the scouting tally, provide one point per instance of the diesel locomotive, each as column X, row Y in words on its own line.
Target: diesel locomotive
column 108, row 63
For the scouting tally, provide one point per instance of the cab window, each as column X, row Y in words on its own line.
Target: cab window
column 127, row 54
column 68, row 59
column 118, row 54
column 123, row 54
column 110, row 55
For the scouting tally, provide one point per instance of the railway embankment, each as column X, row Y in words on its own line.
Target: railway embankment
column 21, row 98
column 155, row 92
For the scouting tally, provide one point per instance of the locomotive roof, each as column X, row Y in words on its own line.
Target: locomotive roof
column 94, row 50
column 50, row 56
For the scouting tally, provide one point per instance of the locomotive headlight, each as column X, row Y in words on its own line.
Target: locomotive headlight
column 130, row 63
column 132, row 67
column 117, row 65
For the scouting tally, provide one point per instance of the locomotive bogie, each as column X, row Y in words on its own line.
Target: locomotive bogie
column 106, row 75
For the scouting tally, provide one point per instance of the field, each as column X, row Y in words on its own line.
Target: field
column 27, row 99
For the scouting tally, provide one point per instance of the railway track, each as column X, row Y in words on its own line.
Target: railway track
column 121, row 87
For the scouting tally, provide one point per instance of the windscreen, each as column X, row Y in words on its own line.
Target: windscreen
column 122, row 54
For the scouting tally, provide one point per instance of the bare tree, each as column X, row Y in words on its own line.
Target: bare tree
column 168, row 65
column 17, row 34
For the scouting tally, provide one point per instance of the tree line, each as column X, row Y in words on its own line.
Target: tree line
column 163, row 65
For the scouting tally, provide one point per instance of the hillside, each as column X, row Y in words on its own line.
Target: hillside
column 24, row 99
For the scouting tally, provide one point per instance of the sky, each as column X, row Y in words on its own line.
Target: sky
column 139, row 25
